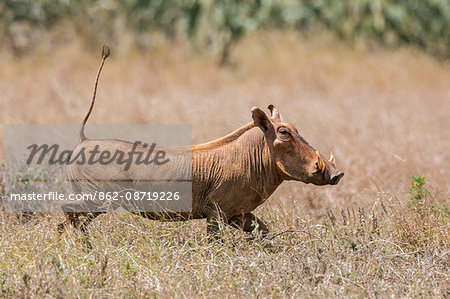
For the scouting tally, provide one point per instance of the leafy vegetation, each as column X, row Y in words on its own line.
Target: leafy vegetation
column 215, row 26
column 420, row 198
column 418, row 191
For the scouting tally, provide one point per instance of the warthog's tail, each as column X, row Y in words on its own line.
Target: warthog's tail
column 105, row 54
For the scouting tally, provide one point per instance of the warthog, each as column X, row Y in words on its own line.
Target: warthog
column 231, row 176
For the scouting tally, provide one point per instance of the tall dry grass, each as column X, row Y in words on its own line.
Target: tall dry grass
column 385, row 114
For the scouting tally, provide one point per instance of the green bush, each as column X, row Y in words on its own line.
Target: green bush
column 418, row 192
column 215, row 25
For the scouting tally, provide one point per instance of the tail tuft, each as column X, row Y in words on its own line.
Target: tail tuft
column 106, row 51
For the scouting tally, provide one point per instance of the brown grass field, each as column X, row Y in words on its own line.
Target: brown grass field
column 384, row 113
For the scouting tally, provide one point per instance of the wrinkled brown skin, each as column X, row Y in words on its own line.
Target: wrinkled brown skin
column 231, row 176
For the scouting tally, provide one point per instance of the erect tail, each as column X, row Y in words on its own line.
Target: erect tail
column 105, row 54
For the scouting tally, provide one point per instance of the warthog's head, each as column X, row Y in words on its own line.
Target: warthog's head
column 294, row 157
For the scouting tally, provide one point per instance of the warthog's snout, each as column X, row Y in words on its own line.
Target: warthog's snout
column 336, row 178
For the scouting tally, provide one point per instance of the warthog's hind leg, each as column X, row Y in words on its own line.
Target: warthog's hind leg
column 73, row 218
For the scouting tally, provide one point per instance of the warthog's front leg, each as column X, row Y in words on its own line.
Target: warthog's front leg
column 215, row 218
column 250, row 223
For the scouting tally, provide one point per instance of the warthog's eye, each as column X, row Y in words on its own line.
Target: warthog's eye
column 284, row 133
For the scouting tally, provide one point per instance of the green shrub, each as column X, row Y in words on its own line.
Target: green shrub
column 216, row 25
column 418, row 191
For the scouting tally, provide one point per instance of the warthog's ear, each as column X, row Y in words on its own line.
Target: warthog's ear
column 260, row 119
column 276, row 116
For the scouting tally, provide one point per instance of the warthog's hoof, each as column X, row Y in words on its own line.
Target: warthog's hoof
column 61, row 228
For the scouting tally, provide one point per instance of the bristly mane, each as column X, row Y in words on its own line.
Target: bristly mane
column 225, row 139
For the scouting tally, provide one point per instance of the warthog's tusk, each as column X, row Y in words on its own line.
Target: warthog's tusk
column 320, row 164
column 331, row 157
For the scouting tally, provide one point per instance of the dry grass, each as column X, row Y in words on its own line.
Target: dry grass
column 384, row 114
